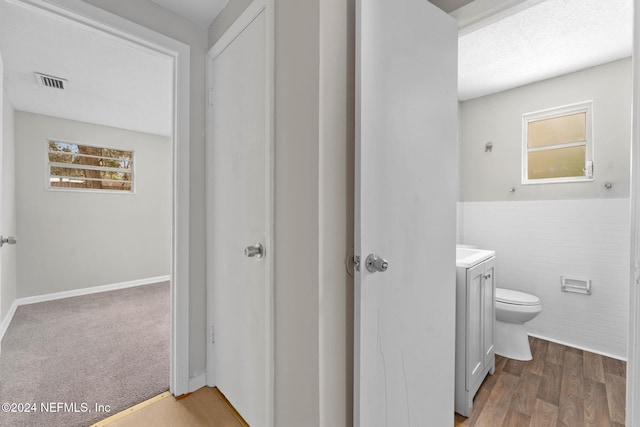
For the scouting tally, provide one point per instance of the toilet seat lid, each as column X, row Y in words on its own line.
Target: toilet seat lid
column 509, row 296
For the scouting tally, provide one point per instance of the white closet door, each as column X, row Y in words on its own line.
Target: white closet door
column 238, row 206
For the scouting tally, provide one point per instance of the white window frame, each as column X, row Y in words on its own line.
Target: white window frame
column 586, row 107
column 47, row 164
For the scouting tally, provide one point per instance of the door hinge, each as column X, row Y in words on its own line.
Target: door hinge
column 212, row 335
column 356, row 262
column 211, row 97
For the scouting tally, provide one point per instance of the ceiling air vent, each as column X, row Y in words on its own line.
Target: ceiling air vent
column 51, row 81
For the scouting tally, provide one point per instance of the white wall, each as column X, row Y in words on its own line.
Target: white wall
column 314, row 204
column 337, row 161
column 542, row 232
column 8, row 206
column 538, row 241
column 154, row 17
column 297, row 213
column 498, row 118
column 84, row 239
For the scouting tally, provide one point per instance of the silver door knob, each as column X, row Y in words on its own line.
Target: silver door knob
column 254, row 251
column 375, row 263
column 8, row 240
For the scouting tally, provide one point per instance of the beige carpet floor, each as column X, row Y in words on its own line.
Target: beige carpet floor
column 75, row 361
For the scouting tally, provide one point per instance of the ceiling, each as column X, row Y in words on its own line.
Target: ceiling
column 450, row 5
column 507, row 44
column 110, row 82
column 544, row 39
column 202, row 12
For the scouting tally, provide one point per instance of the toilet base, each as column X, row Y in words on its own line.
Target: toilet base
column 512, row 341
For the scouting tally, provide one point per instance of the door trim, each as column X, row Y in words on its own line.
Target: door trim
column 121, row 28
column 246, row 17
column 633, row 352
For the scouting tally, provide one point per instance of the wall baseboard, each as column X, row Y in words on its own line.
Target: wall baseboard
column 91, row 290
column 4, row 325
column 74, row 293
column 197, row 382
column 612, row 356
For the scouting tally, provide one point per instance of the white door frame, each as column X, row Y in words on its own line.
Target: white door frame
column 633, row 352
column 249, row 14
column 116, row 26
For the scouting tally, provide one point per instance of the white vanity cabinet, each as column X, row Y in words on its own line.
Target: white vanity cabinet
column 475, row 330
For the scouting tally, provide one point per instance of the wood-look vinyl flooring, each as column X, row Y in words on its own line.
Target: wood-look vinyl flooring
column 562, row 386
column 205, row 407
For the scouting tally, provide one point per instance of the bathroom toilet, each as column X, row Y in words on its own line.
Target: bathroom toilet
column 513, row 309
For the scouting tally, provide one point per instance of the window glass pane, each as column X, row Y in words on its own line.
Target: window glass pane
column 557, row 163
column 558, row 130
column 95, row 185
column 68, row 172
column 89, row 167
column 92, row 183
column 89, row 173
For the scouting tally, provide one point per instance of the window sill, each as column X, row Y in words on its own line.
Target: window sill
column 555, row 181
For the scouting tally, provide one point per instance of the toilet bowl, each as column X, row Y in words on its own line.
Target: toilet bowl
column 513, row 309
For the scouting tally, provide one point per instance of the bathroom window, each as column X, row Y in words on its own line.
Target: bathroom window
column 558, row 145
column 72, row 166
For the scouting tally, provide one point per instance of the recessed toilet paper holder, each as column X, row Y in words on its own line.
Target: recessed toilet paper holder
column 575, row 285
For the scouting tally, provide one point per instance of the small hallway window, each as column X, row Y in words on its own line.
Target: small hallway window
column 72, row 166
column 558, row 145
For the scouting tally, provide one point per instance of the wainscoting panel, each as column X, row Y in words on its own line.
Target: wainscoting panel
column 537, row 242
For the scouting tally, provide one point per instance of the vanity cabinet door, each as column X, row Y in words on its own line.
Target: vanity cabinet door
column 474, row 325
column 489, row 312
column 475, row 331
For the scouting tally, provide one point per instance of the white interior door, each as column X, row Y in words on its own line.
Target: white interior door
column 2, row 145
column 406, row 183
column 238, row 206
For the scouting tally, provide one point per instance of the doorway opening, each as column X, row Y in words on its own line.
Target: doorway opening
column 171, row 182
column 500, row 210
